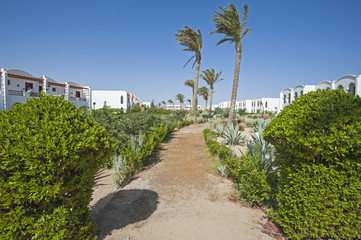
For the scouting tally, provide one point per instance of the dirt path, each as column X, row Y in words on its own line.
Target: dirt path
column 177, row 198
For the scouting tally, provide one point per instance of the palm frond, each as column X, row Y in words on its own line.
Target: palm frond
column 228, row 22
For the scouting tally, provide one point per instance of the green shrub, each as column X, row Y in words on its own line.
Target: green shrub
column 318, row 145
column 319, row 201
column 251, row 178
column 49, row 154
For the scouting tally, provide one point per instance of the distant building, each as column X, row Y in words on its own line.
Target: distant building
column 349, row 83
column 114, row 99
column 16, row 86
column 254, row 105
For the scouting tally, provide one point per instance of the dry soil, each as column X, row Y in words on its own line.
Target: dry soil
column 179, row 197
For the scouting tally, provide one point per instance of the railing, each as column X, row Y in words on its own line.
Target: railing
column 33, row 94
column 16, row 93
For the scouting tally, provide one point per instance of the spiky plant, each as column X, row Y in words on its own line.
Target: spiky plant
column 192, row 40
column 211, row 78
column 232, row 136
column 228, row 22
column 180, row 97
column 204, row 92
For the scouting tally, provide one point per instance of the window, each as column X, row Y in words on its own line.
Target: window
column 77, row 94
column 8, row 82
column 351, row 88
column 301, row 93
column 289, row 97
column 121, row 100
column 296, row 95
column 28, row 86
column 284, row 98
column 40, row 88
column 266, row 104
column 54, row 89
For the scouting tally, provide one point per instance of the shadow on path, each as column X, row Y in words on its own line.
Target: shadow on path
column 123, row 208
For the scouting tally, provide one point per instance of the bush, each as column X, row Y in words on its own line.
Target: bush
column 318, row 144
column 319, row 201
column 49, row 154
column 251, row 178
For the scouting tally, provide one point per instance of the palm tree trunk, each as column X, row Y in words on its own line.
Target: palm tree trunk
column 195, row 88
column 205, row 107
column 210, row 101
column 235, row 82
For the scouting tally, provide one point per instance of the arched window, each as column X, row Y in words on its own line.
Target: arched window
column 266, row 104
column 301, row 93
column 284, row 98
column 296, row 95
column 289, row 97
column 121, row 100
column 351, row 89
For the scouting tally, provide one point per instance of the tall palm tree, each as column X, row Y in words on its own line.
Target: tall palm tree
column 229, row 23
column 211, row 78
column 180, row 97
column 204, row 92
column 192, row 40
column 171, row 102
column 163, row 102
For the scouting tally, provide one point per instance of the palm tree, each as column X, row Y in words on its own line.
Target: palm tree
column 211, row 78
column 180, row 97
column 163, row 102
column 190, row 107
column 190, row 83
column 171, row 102
column 204, row 92
column 229, row 23
column 192, row 40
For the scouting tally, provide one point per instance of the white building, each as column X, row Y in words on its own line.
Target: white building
column 349, row 83
column 254, row 105
column 114, row 99
column 16, row 86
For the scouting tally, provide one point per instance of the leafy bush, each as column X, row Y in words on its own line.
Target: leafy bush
column 49, row 154
column 251, row 178
column 318, row 145
column 242, row 111
column 215, row 147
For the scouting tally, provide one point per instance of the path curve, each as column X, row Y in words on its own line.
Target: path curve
column 178, row 198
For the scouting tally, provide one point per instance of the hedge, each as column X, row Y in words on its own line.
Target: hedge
column 49, row 154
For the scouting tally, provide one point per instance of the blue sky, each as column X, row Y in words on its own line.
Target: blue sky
column 130, row 45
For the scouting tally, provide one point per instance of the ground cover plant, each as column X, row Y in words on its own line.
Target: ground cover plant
column 50, row 151
column 318, row 145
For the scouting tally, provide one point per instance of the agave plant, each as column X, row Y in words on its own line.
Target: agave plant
column 221, row 169
column 219, row 130
column 232, row 136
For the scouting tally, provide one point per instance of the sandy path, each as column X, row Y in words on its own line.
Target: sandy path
column 177, row 198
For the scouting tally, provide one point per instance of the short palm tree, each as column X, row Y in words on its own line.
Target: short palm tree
column 211, row 78
column 192, row 40
column 190, row 83
column 229, row 23
column 180, row 97
column 163, row 102
column 204, row 92
column 171, row 102
column 190, row 107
